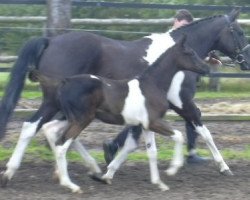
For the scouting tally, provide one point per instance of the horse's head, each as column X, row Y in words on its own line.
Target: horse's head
column 233, row 43
column 187, row 58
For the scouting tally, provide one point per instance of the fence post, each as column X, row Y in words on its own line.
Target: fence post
column 58, row 17
column 214, row 82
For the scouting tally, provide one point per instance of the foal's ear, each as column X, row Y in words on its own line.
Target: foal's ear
column 234, row 14
column 182, row 40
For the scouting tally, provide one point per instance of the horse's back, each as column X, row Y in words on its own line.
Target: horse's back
column 82, row 52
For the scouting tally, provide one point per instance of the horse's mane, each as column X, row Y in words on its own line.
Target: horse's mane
column 197, row 22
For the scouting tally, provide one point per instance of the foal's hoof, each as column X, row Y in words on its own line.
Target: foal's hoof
column 4, row 180
column 97, row 177
column 227, row 172
column 171, row 171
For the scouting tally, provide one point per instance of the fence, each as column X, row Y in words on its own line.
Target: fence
column 33, row 19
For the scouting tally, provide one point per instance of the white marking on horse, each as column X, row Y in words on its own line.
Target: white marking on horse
column 27, row 133
column 95, row 77
column 134, row 110
column 160, row 43
column 173, row 94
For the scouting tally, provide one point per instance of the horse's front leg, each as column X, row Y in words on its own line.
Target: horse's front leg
column 192, row 115
column 152, row 155
column 163, row 127
column 29, row 130
column 206, row 135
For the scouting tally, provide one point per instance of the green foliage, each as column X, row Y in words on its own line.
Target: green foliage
column 13, row 35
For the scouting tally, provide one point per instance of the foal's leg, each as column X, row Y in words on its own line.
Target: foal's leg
column 61, row 148
column 163, row 127
column 53, row 130
column 129, row 146
column 152, row 155
column 29, row 129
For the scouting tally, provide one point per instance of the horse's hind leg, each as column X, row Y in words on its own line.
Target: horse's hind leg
column 28, row 131
column 91, row 163
column 53, row 130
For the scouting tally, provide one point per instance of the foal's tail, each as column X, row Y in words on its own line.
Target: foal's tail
column 29, row 56
column 47, row 80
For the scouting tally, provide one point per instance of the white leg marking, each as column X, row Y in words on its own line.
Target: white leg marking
column 206, row 135
column 152, row 155
column 27, row 133
column 178, row 159
column 129, row 146
column 62, row 167
column 90, row 161
column 52, row 130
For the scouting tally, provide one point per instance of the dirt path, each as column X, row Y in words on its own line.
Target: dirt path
column 33, row 181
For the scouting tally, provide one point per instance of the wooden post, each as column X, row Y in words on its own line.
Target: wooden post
column 214, row 82
column 58, row 17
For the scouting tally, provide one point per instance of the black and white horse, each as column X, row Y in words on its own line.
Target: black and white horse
column 139, row 101
column 80, row 53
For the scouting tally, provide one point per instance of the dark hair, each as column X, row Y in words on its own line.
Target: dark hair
column 184, row 14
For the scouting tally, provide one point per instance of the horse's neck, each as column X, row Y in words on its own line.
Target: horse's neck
column 161, row 74
column 202, row 36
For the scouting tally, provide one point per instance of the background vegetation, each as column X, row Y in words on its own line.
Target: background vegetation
column 13, row 35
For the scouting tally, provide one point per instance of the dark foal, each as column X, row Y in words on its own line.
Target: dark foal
column 140, row 101
column 86, row 53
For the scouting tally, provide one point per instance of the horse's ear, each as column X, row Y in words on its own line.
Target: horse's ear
column 234, row 14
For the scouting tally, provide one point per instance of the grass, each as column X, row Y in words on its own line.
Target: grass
column 40, row 152
column 230, row 88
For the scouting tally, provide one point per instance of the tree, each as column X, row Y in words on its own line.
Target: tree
column 58, row 16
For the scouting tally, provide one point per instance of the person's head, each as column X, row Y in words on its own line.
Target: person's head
column 182, row 17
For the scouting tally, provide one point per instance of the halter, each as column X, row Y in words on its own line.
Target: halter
column 239, row 57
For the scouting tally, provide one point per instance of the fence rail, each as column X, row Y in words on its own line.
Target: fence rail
column 134, row 5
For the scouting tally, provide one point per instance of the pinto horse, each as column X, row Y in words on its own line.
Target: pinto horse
column 86, row 53
column 139, row 101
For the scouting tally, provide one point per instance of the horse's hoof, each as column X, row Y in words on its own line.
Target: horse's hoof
column 4, row 180
column 107, row 180
column 97, row 177
column 163, row 187
column 77, row 191
column 227, row 172
column 171, row 171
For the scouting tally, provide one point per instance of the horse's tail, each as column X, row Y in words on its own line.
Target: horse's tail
column 28, row 56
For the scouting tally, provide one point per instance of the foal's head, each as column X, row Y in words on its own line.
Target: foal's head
column 187, row 59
